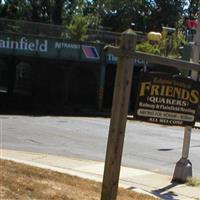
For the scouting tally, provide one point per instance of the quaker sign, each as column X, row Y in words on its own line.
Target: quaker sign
column 167, row 99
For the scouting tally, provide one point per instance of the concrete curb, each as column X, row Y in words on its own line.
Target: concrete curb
column 134, row 179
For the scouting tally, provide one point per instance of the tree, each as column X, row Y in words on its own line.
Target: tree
column 116, row 14
column 146, row 14
column 49, row 11
column 15, row 9
column 58, row 12
column 78, row 28
column 122, row 13
column 193, row 8
column 166, row 13
column 35, row 10
column 96, row 11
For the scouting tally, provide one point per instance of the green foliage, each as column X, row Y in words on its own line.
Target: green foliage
column 164, row 44
column 193, row 7
column 96, row 11
column 122, row 13
column 148, row 48
column 166, row 13
column 94, row 21
column 116, row 14
column 168, row 46
column 147, row 15
column 17, row 9
column 78, row 28
column 178, row 40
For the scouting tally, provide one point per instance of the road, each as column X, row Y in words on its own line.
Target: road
column 147, row 146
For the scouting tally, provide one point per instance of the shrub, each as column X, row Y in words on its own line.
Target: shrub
column 148, row 48
column 77, row 29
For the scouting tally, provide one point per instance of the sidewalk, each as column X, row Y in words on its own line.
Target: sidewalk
column 135, row 179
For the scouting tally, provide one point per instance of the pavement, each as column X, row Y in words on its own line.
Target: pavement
column 137, row 180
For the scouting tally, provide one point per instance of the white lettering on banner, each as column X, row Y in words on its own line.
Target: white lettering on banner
column 165, row 121
column 24, row 44
column 169, row 121
column 165, row 115
column 113, row 58
column 64, row 45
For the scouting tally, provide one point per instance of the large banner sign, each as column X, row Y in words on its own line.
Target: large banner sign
column 167, row 99
column 12, row 44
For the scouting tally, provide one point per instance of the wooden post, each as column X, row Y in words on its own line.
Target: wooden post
column 118, row 117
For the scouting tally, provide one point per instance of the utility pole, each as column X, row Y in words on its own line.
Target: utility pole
column 183, row 167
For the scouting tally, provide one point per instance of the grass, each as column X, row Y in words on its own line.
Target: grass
column 192, row 181
column 19, row 181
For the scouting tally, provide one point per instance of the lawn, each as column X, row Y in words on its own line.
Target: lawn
column 19, row 181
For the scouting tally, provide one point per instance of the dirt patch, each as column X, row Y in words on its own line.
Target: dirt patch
column 19, row 181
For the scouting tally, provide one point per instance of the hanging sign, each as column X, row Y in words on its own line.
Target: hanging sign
column 167, row 99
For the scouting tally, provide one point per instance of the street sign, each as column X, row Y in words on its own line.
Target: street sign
column 166, row 99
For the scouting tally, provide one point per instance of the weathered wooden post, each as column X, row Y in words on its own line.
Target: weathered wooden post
column 119, row 115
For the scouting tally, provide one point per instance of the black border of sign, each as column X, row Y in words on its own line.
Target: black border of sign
column 165, row 120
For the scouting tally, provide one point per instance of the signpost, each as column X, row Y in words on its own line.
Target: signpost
column 126, row 54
